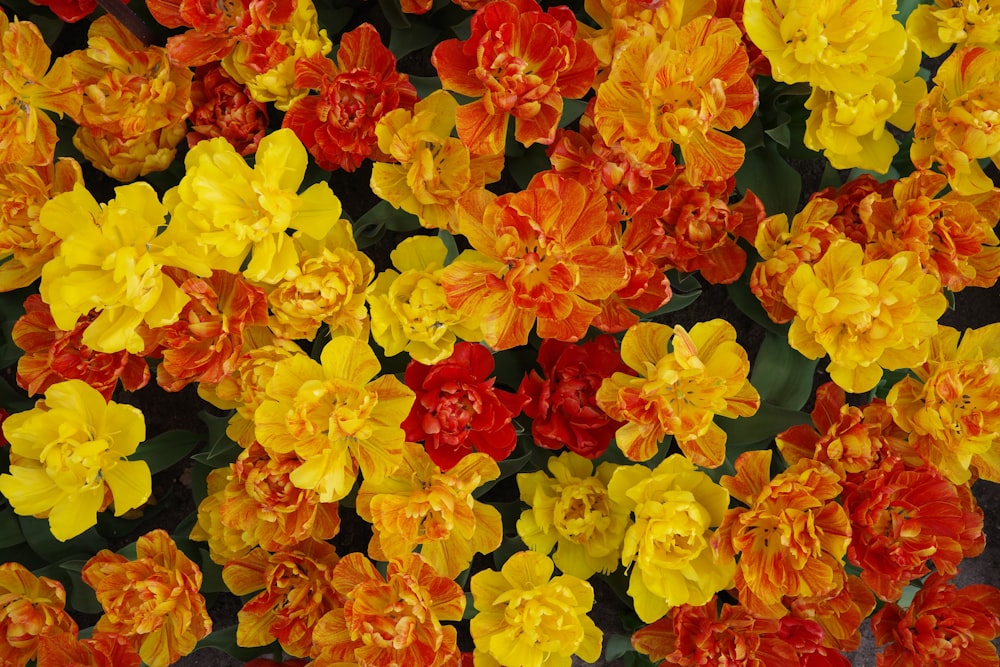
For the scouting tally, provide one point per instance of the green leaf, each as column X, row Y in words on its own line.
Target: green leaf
column 12, row 399
column 781, row 375
column 616, row 646
column 450, row 244
column 166, row 449
column 333, row 19
column 221, row 449
column 507, row 548
column 749, row 304
column 678, row 301
column 211, row 573
column 772, row 179
column 769, row 421
column 524, row 167
column 10, row 529
column 393, row 13
column 371, row 226
column 572, row 109
column 425, row 85
column 81, row 596
column 414, row 38
column 225, row 641
column 36, row 532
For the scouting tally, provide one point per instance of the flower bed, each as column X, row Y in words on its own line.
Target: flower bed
column 405, row 326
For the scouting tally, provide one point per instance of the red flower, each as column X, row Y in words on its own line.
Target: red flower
column 519, row 61
column 104, row 649
column 224, row 108
column 942, row 626
column 902, row 518
column 52, row 355
column 204, row 345
column 563, row 404
column 457, row 409
column 338, row 125
column 69, row 11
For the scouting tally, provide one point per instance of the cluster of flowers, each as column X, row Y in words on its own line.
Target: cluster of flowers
column 223, row 277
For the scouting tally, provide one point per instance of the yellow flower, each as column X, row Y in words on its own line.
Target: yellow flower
column 25, row 245
column 420, row 507
column 851, row 130
column 271, row 78
column 573, row 512
column 434, row 169
column 956, row 122
column 29, row 607
column 335, row 417
column 936, row 27
column 529, row 619
column 231, row 211
column 838, row 46
column 866, row 315
column 125, row 159
column 684, row 381
column 225, row 543
column 676, row 507
column 111, row 260
column 328, row 287
column 951, row 411
column 409, row 309
column 69, row 454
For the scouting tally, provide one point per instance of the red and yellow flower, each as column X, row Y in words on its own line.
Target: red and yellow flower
column 224, row 108
column 544, row 253
column 458, row 410
column 389, row 620
column 951, row 409
column 296, row 587
column 103, row 649
column 684, row 380
column 154, row 600
column 686, row 88
column 29, row 88
column 419, row 506
column 338, row 124
column 791, row 536
column 29, row 606
column 25, row 245
column 519, row 61
column 955, row 125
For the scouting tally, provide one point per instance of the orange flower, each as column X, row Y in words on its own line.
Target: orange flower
column 944, row 625
column 63, row 649
column 52, row 355
column 684, row 381
column 901, row 518
column 685, row 87
column 956, row 120
column 154, row 600
column 953, row 234
column 297, row 589
column 544, row 253
column 519, row 61
column 951, row 410
column 224, row 108
column 699, row 230
column 338, row 124
column 389, row 620
column 29, row 605
column 26, row 90
column 259, row 501
column 135, row 102
column 791, row 537
column 420, row 507
column 205, row 343
column 25, row 245
column 694, row 635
